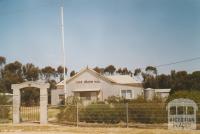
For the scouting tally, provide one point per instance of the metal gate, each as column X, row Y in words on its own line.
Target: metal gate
column 30, row 114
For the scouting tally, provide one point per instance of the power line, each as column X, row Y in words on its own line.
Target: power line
column 176, row 62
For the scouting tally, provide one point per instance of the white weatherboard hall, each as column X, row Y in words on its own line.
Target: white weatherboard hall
column 91, row 86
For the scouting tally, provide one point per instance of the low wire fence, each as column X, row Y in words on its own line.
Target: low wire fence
column 5, row 113
column 123, row 115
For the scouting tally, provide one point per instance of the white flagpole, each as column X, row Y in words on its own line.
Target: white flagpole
column 63, row 48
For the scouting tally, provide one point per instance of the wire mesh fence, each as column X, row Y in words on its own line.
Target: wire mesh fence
column 124, row 115
column 5, row 113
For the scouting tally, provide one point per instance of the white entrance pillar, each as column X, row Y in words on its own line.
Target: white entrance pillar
column 43, row 100
column 43, row 105
column 16, row 106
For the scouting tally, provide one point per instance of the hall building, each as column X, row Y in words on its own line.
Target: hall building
column 90, row 86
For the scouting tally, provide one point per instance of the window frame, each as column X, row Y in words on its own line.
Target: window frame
column 126, row 94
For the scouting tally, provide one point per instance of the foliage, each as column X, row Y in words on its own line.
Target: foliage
column 193, row 95
column 48, row 72
column 72, row 73
column 124, row 71
column 151, row 111
column 30, row 96
column 69, row 110
column 60, row 71
column 116, row 99
column 4, row 110
column 102, row 113
column 180, row 80
column 11, row 74
column 151, row 70
column 15, row 72
column 2, row 60
column 115, row 108
column 4, row 100
column 30, row 72
column 110, row 69
column 99, row 70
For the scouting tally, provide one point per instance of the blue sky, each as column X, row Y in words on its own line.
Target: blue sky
column 125, row 33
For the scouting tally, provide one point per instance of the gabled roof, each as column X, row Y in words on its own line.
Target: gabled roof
column 62, row 82
column 123, row 79
column 92, row 72
column 118, row 79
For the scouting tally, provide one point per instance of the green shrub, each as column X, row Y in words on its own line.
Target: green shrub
column 68, row 112
column 141, row 110
column 101, row 113
column 4, row 108
column 193, row 95
column 147, row 112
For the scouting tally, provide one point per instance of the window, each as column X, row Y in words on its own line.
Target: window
column 123, row 93
column 127, row 94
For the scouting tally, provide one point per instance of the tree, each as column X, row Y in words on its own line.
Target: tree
column 137, row 72
column 11, row 74
column 181, row 81
column 30, row 72
column 2, row 61
column 72, row 73
column 151, row 70
column 48, row 72
column 110, row 69
column 119, row 71
column 98, row 70
column 52, row 86
column 195, row 80
column 164, row 81
column 125, row 71
column 60, row 71
column 193, row 95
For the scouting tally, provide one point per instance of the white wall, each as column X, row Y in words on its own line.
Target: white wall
column 55, row 96
column 106, row 87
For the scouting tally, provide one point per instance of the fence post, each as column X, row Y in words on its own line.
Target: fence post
column 77, row 118
column 127, row 115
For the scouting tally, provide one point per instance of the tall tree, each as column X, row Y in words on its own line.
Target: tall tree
column 2, row 61
column 151, row 70
column 163, row 81
column 119, row 71
column 12, row 74
column 110, row 69
column 30, row 72
column 48, row 72
column 125, row 71
column 97, row 69
column 137, row 72
column 72, row 73
column 60, row 71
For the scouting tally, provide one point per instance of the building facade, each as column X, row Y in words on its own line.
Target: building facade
column 89, row 86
